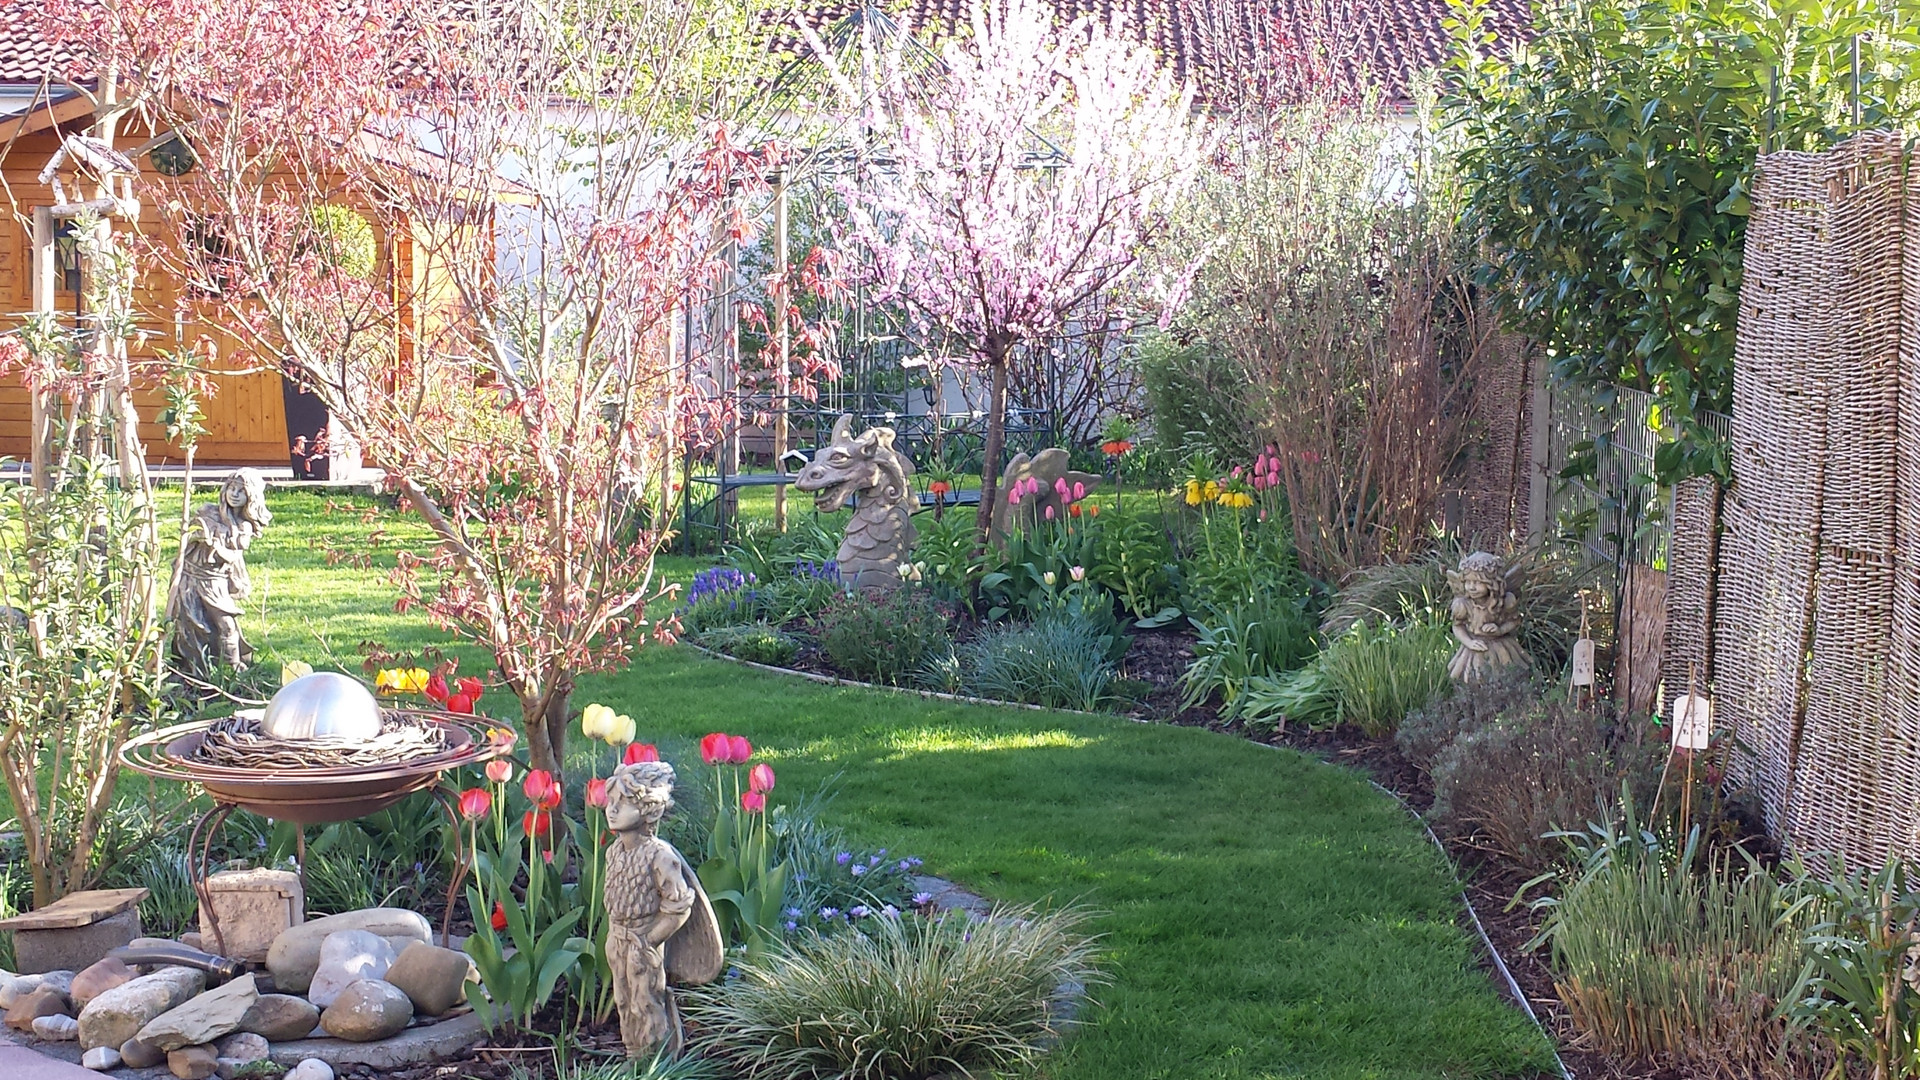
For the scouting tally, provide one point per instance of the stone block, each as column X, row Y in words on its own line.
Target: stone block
column 74, row 948
column 193, row 1062
column 296, row 953
column 254, row 907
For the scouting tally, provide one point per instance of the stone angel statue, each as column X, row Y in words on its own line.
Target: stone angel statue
column 660, row 926
column 204, row 602
column 1486, row 617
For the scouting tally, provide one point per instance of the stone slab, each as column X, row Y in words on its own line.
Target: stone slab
column 58, row 1061
column 418, row 1045
column 76, row 910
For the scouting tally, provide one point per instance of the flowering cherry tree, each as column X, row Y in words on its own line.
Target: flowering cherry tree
column 1021, row 194
column 547, row 199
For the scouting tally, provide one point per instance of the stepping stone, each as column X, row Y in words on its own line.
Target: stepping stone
column 75, row 931
column 21, row 1063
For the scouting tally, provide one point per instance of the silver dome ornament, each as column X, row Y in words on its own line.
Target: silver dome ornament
column 323, row 705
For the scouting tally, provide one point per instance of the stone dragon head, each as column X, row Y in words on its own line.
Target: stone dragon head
column 866, row 465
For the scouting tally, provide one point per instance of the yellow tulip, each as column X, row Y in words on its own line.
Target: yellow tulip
column 416, row 680
column 621, row 731
column 387, row 681
column 595, row 721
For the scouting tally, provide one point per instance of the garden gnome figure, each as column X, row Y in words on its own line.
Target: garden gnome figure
column 204, row 602
column 1484, row 619
column 660, row 924
column 881, row 534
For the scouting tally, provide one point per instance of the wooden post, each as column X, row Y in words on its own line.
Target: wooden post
column 783, row 346
column 40, row 429
column 1538, row 491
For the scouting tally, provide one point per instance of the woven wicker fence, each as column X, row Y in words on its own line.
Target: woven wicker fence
column 1811, row 587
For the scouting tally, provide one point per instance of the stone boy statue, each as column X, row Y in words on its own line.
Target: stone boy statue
column 1485, row 617
column 660, row 924
column 204, row 602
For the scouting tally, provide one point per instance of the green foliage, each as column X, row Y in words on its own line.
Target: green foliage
column 521, row 965
column 1370, row 677
column 1266, row 634
column 945, row 555
column 1608, row 166
column 343, row 239
column 1655, row 958
column 1133, row 558
column 791, row 590
column 742, row 874
column 900, row 999
column 757, row 642
column 833, row 878
column 1197, row 398
column 662, row 1066
column 1033, row 570
column 1060, row 661
column 1856, row 988
column 810, row 539
column 883, row 639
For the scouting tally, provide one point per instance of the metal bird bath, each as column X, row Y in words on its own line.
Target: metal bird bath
column 311, row 796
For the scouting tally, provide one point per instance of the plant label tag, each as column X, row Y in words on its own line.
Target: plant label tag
column 1692, row 721
column 1583, row 662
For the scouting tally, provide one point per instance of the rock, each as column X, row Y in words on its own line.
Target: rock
column 141, row 1055
column 310, row 1069
column 192, row 940
column 239, row 1050
column 120, row 1013
column 367, row 1010
column 56, row 1028
column 99, row 979
column 346, row 957
column 418, row 1045
column 255, row 907
column 204, row 1018
column 101, row 1058
column 296, row 953
column 15, row 987
column 193, row 1062
column 433, row 978
column 281, row 1018
column 59, row 980
column 39, row 1002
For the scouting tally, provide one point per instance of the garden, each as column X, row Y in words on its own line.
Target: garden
column 909, row 553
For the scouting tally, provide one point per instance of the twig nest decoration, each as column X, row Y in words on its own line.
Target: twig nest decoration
column 1485, row 616
column 323, row 705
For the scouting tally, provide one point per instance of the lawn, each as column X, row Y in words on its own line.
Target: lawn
column 1263, row 914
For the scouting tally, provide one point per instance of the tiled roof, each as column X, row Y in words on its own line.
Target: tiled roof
column 25, row 55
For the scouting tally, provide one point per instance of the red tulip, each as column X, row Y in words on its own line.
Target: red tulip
column 715, row 749
column 761, row 778
column 536, row 822
column 753, row 802
column 471, row 687
column 739, row 750
column 542, row 789
column 639, row 752
column 475, row 803
column 437, row 688
column 596, row 792
column 499, row 916
column 460, row 703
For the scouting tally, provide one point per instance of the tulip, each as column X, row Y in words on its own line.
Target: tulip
column 501, row 737
column 760, row 778
column 1074, row 510
column 1079, row 491
column 1013, row 497
column 639, row 752
column 739, row 750
column 499, row 919
column 1077, row 573
column 536, row 822
column 475, row 803
column 596, row 792
column 416, row 680
column 1060, row 487
column 460, row 703
column 753, row 802
column 472, row 687
column 436, row 688
column 1048, row 577
column 1093, row 509
column 499, row 770
column 622, row 731
column 541, row 788
column 596, row 721
column 714, row 749
column 1049, row 513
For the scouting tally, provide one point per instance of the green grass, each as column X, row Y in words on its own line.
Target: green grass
column 1263, row 914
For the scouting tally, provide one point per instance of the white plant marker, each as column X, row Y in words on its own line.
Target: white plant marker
column 1692, row 721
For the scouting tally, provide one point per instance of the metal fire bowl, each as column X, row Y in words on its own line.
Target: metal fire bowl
column 318, row 796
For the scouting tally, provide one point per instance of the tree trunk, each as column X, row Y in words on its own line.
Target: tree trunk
column 547, row 730
column 990, row 457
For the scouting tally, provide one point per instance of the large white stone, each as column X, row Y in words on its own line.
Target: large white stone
column 101, row 1058
column 56, row 1028
column 346, row 958
column 310, row 1069
column 118, row 1014
column 296, row 953
column 205, row 1018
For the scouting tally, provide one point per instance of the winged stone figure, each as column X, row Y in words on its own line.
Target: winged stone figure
column 880, row 535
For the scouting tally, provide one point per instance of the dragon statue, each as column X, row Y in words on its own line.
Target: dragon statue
column 880, row 535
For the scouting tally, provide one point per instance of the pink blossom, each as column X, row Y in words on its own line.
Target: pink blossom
column 1079, row 491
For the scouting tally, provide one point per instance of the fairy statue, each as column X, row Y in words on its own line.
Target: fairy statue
column 660, row 926
column 1485, row 620
column 204, row 602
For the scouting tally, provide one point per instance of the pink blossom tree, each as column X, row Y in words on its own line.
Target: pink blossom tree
column 1022, row 192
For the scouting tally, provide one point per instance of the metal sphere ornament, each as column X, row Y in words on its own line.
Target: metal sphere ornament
column 323, row 705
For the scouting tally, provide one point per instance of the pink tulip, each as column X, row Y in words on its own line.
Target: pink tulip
column 1060, row 488
column 753, row 802
column 1049, row 513
column 1079, row 491
column 760, row 778
column 739, row 750
column 1013, row 497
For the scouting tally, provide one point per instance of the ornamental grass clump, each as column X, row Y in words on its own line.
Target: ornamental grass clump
column 903, row 998
column 1059, row 662
column 883, row 639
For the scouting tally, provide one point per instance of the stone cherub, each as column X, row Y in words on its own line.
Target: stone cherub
column 204, row 602
column 660, row 924
column 880, row 535
column 1485, row 617
column 1040, row 477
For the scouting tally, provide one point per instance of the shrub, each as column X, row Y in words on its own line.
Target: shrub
column 1427, row 732
column 1059, row 662
column 716, row 599
column 1197, row 397
column 1534, row 769
column 1655, row 959
column 725, row 596
column 899, row 999
column 882, row 638
column 758, row 642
